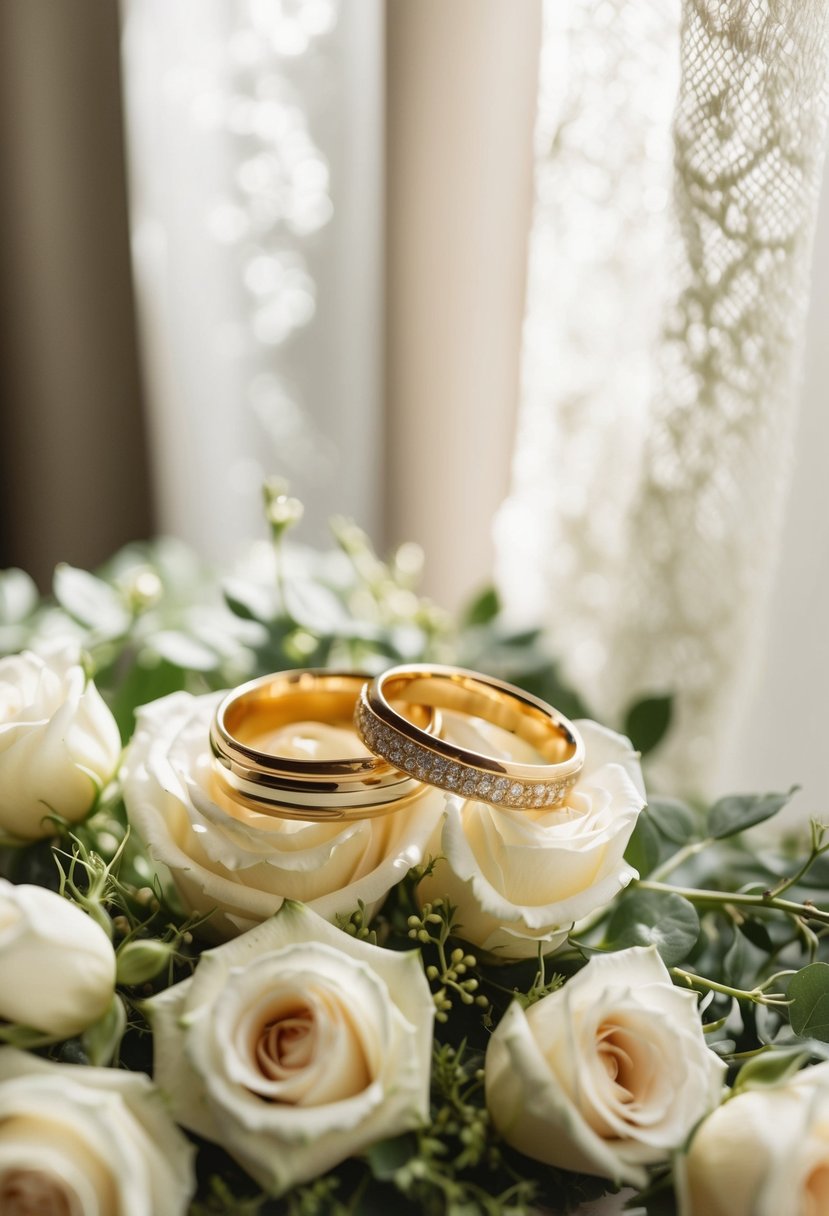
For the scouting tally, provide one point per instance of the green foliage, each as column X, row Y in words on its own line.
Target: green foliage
column 808, row 993
column 744, row 925
column 482, row 610
column 651, row 918
column 648, row 721
column 770, row 1068
column 740, row 811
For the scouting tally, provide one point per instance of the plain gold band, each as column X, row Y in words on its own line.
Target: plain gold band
column 471, row 774
column 358, row 787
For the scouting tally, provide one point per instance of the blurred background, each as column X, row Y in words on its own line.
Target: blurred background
column 441, row 265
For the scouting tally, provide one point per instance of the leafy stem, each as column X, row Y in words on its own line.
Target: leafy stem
column 757, row 995
column 679, row 857
column 819, row 845
column 434, row 927
column 766, row 899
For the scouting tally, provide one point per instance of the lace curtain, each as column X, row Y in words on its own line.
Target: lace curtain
column 666, row 303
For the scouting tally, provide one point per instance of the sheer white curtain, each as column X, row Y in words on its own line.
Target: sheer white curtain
column 669, row 272
column 255, row 156
column 678, row 149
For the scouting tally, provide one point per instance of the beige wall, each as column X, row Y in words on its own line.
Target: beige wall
column 461, row 100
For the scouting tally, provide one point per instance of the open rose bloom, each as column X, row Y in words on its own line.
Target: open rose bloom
column 77, row 1141
column 521, row 878
column 606, row 1075
column 295, row 1046
column 239, row 864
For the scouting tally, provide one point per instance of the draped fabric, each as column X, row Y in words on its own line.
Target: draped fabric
column 254, row 136
column 669, row 286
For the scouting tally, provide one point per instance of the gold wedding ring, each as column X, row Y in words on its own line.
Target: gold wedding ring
column 471, row 774
column 356, row 787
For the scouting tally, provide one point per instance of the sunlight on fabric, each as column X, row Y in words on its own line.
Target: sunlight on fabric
column 245, row 251
column 662, row 349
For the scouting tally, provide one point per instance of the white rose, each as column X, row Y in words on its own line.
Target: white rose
column 57, row 964
column 606, row 1075
column 58, row 742
column 764, row 1152
column 296, row 1046
column 519, row 878
column 243, row 863
column 87, row 1141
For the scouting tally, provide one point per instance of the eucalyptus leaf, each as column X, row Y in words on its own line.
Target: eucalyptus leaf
column 647, row 722
column 734, row 961
column 662, row 919
column 737, row 812
column 757, row 933
column 771, row 1068
column 643, row 847
column 90, row 600
column 674, row 819
column 388, row 1156
column 808, row 992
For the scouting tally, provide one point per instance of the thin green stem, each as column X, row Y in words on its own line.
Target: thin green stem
column 739, row 899
column 817, row 850
column 756, row 995
column 681, row 855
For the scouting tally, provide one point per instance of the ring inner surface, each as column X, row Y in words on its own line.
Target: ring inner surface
column 261, row 711
column 463, row 694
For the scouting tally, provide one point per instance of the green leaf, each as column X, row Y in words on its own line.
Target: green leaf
column 249, row 601
column 647, row 722
column 141, row 684
column 740, row 811
column 388, row 1156
column 676, row 821
column 770, row 1068
column 102, row 1040
column 643, row 847
column 757, row 934
column 482, row 609
column 808, row 992
column 90, row 600
column 25, row 1038
column 543, row 681
column 665, row 920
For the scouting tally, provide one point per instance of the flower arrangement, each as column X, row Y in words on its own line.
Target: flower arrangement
column 454, row 1008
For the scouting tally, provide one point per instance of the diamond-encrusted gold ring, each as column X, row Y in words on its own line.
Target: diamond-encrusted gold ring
column 471, row 774
column 354, row 787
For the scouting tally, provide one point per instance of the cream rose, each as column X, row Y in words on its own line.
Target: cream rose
column 87, row 1141
column 606, row 1075
column 296, row 1046
column 764, row 1152
column 58, row 742
column 242, row 863
column 57, row 965
column 519, row 878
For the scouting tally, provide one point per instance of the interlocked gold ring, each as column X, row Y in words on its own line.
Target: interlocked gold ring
column 356, row 787
column 396, row 738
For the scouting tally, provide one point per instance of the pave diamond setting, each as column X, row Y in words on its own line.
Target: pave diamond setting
column 429, row 766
